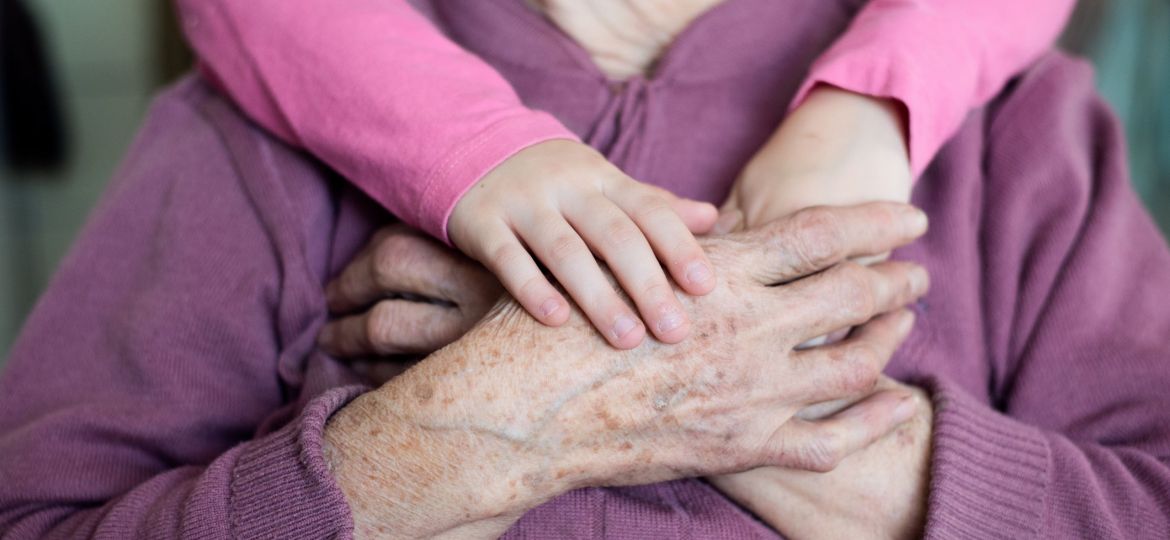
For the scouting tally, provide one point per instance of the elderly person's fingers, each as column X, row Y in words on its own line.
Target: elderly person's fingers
column 725, row 400
column 849, row 294
column 816, row 238
column 852, row 367
column 395, row 327
column 400, row 261
column 821, row 445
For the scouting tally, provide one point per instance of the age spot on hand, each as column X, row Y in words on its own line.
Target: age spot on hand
column 423, row 392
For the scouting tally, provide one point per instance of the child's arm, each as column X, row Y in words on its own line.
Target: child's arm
column 939, row 59
column 881, row 102
column 371, row 88
column 374, row 90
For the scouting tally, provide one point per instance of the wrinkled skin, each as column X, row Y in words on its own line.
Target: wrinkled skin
column 836, row 148
column 400, row 272
column 561, row 203
column 516, row 412
column 879, row 491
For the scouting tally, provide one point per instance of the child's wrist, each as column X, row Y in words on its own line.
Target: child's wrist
column 884, row 118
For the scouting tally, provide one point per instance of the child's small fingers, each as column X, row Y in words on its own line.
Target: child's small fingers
column 668, row 235
column 568, row 258
column 511, row 263
column 698, row 216
column 611, row 233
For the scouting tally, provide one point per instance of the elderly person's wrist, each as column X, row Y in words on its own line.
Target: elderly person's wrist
column 404, row 477
column 515, row 412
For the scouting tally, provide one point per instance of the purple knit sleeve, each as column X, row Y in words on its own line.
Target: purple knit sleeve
column 1073, row 440
column 280, row 486
column 130, row 403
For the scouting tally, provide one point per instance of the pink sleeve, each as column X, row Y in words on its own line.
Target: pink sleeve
column 372, row 89
column 940, row 59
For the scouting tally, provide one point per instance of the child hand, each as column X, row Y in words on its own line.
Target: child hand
column 564, row 202
column 836, row 148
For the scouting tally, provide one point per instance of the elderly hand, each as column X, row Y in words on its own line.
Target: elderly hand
column 515, row 412
column 570, row 206
column 879, row 491
column 423, row 296
column 836, row 148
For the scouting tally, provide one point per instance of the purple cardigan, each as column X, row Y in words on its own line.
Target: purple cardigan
column 167, row 383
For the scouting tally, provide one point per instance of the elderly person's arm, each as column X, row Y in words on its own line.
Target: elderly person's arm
column 148, row 393
column 540, row 411
column 154, row 391
column 1073, row 440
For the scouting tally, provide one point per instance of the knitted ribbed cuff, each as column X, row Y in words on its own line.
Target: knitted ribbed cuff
column 989, row 473
column 281, row 486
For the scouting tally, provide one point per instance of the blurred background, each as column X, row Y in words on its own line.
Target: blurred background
column 76, row 77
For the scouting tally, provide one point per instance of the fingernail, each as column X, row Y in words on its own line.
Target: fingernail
column 916, row 221
column 907, row 322
column 549, row 307
column 919, row 281
column 671, row 320
column 698, row 273
column 623, row 325
column 905, row 409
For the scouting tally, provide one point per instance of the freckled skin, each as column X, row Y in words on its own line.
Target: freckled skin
column 423, row 392
column 610, row 422
column 567, row 410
